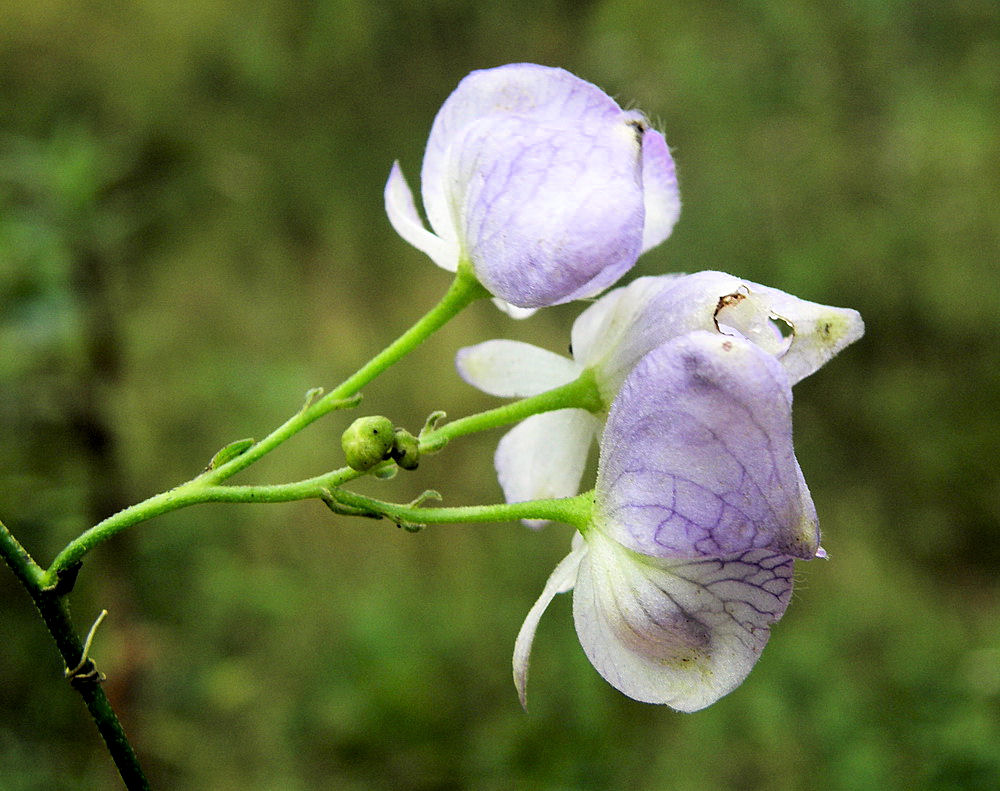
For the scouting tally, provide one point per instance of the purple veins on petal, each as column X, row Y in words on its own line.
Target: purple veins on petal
column 679, row 632
column 541, row 182
column 702, row 428
column 518, row 89
column 548, row 211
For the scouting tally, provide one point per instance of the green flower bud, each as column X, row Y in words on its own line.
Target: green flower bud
column 406, row 449
column 367, row 441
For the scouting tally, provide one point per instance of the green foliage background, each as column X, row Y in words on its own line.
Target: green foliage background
column 192, row 235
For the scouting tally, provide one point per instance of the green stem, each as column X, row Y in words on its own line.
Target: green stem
column 464, row 290
column 574, row 511
column 28, row 572
column 54, row 609
column 199, row 490
column 87, row 682
column 581, row 393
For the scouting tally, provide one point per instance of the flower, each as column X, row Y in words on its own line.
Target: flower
column 612, row 335
column 699, row 510
column 541, row 182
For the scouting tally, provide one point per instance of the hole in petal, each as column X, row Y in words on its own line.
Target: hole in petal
column 745, row 315
column 784, row 328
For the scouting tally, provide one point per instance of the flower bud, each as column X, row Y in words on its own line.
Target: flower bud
column 405, row 449
column 367, row 441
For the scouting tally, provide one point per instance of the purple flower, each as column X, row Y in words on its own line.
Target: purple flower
column 699, row 511
column 545, row 455
column 541, row 183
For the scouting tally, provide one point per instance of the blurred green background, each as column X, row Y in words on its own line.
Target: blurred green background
column 192, row 235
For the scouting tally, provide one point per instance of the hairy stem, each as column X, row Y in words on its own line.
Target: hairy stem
column 581, row 393
column 570, row 510
column 28, row 573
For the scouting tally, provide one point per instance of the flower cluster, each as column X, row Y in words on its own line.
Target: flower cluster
column 545, row 189
column 699, row 505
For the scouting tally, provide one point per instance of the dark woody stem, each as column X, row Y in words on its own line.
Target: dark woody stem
column 84, row 677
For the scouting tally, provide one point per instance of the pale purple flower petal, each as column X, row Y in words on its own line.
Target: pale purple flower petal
column 613, row 337
column 544, row 456
column 561, row 580
column 540, row 181
column 651, row 311
column 549, row 211
column 517, row 89
column 513, row 369
column 678, row 632
column 700, row 506
column 697, row 459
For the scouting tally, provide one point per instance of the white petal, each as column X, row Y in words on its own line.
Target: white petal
column 818, row 331
column 661, row 196
column 510, row 369
column 682, row 633
column 560, row 581
column 404, row 218
column 599, row 331
column 513, row 310
column 544, row 456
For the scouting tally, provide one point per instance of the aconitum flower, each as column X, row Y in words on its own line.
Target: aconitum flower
column 540, row 182
column 699, row 510
column 612, row 335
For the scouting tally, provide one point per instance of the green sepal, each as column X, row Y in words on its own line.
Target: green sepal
column 405, row 449
column 386, row 472
column 230, row 452
column 430, row 425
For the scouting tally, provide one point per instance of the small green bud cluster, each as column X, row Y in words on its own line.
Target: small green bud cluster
column 368, row 441
column 405, row 449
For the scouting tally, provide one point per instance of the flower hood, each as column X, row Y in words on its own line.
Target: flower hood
column 613, row 334
column 541, row 182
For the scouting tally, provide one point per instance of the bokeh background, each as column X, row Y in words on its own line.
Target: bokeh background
column 192, row 235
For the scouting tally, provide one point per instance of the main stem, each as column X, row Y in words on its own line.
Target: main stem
column 49, row 588
column 54, row 609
